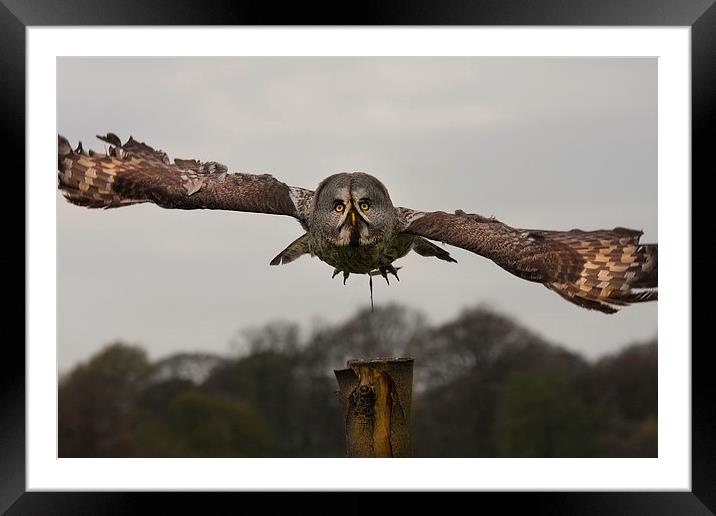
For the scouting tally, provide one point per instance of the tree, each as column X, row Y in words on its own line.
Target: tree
column 210, row 426
column 625, row 387
column 540, row 415
column 465, row 364
column 95, row 402
column 484, row 387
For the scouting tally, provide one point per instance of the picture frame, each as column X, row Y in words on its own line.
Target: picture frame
column 16, row 16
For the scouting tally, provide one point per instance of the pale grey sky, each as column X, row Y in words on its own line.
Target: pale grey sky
column 549, row 143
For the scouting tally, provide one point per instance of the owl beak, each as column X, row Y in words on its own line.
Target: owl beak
column 354, row 230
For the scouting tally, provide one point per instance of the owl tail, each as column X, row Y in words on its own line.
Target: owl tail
column 611, row 269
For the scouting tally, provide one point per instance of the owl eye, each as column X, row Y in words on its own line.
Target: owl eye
column 364, row 206
column 339, row 207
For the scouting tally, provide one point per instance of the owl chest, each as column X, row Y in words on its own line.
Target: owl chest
column 357, row 260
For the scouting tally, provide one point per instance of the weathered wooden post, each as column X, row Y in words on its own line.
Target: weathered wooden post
column 375, row 395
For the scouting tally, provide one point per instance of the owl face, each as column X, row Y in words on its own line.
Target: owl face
column 352, row 209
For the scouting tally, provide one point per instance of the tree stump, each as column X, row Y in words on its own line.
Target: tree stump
column 375, row 396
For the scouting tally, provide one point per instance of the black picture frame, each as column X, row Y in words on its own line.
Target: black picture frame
column 700, row 15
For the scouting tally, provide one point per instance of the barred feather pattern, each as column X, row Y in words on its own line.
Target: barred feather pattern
column 615, row 269
column 88, row 178
column 599, row 270
column 134, row 172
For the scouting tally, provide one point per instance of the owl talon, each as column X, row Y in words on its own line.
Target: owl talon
column 384, row 273
column 389, row 269
column 335, row 273
column 345, row 276
column 394, row 272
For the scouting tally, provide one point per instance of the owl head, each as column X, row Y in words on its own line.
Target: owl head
column 352, row 209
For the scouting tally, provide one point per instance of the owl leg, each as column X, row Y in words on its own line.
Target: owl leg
column 370, row 284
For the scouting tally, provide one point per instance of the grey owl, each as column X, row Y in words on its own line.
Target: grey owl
column 351, row 224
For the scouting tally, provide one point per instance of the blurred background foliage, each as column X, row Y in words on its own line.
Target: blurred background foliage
column 483, row 387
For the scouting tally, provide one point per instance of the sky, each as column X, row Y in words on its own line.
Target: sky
column 547, row 143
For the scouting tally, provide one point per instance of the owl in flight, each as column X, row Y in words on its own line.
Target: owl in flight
column 350, row 223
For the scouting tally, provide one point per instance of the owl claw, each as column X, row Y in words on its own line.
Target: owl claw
column 345, row 275
column 384, row 271
column 394, row 272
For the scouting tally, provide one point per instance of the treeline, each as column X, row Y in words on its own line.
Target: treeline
column 484, row 387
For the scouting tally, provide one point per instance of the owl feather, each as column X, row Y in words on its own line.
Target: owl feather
column 351, row 224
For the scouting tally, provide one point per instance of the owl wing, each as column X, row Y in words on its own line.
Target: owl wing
column 599, row 270
column 134, row 173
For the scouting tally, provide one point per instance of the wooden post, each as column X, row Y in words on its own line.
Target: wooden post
column 375, row 395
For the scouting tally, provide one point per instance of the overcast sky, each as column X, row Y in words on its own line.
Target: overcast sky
column 549, row 143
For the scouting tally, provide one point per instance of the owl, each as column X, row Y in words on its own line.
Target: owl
column 350, row 223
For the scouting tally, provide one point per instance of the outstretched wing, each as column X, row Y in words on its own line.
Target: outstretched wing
column 599, row 270
column 134, row 172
